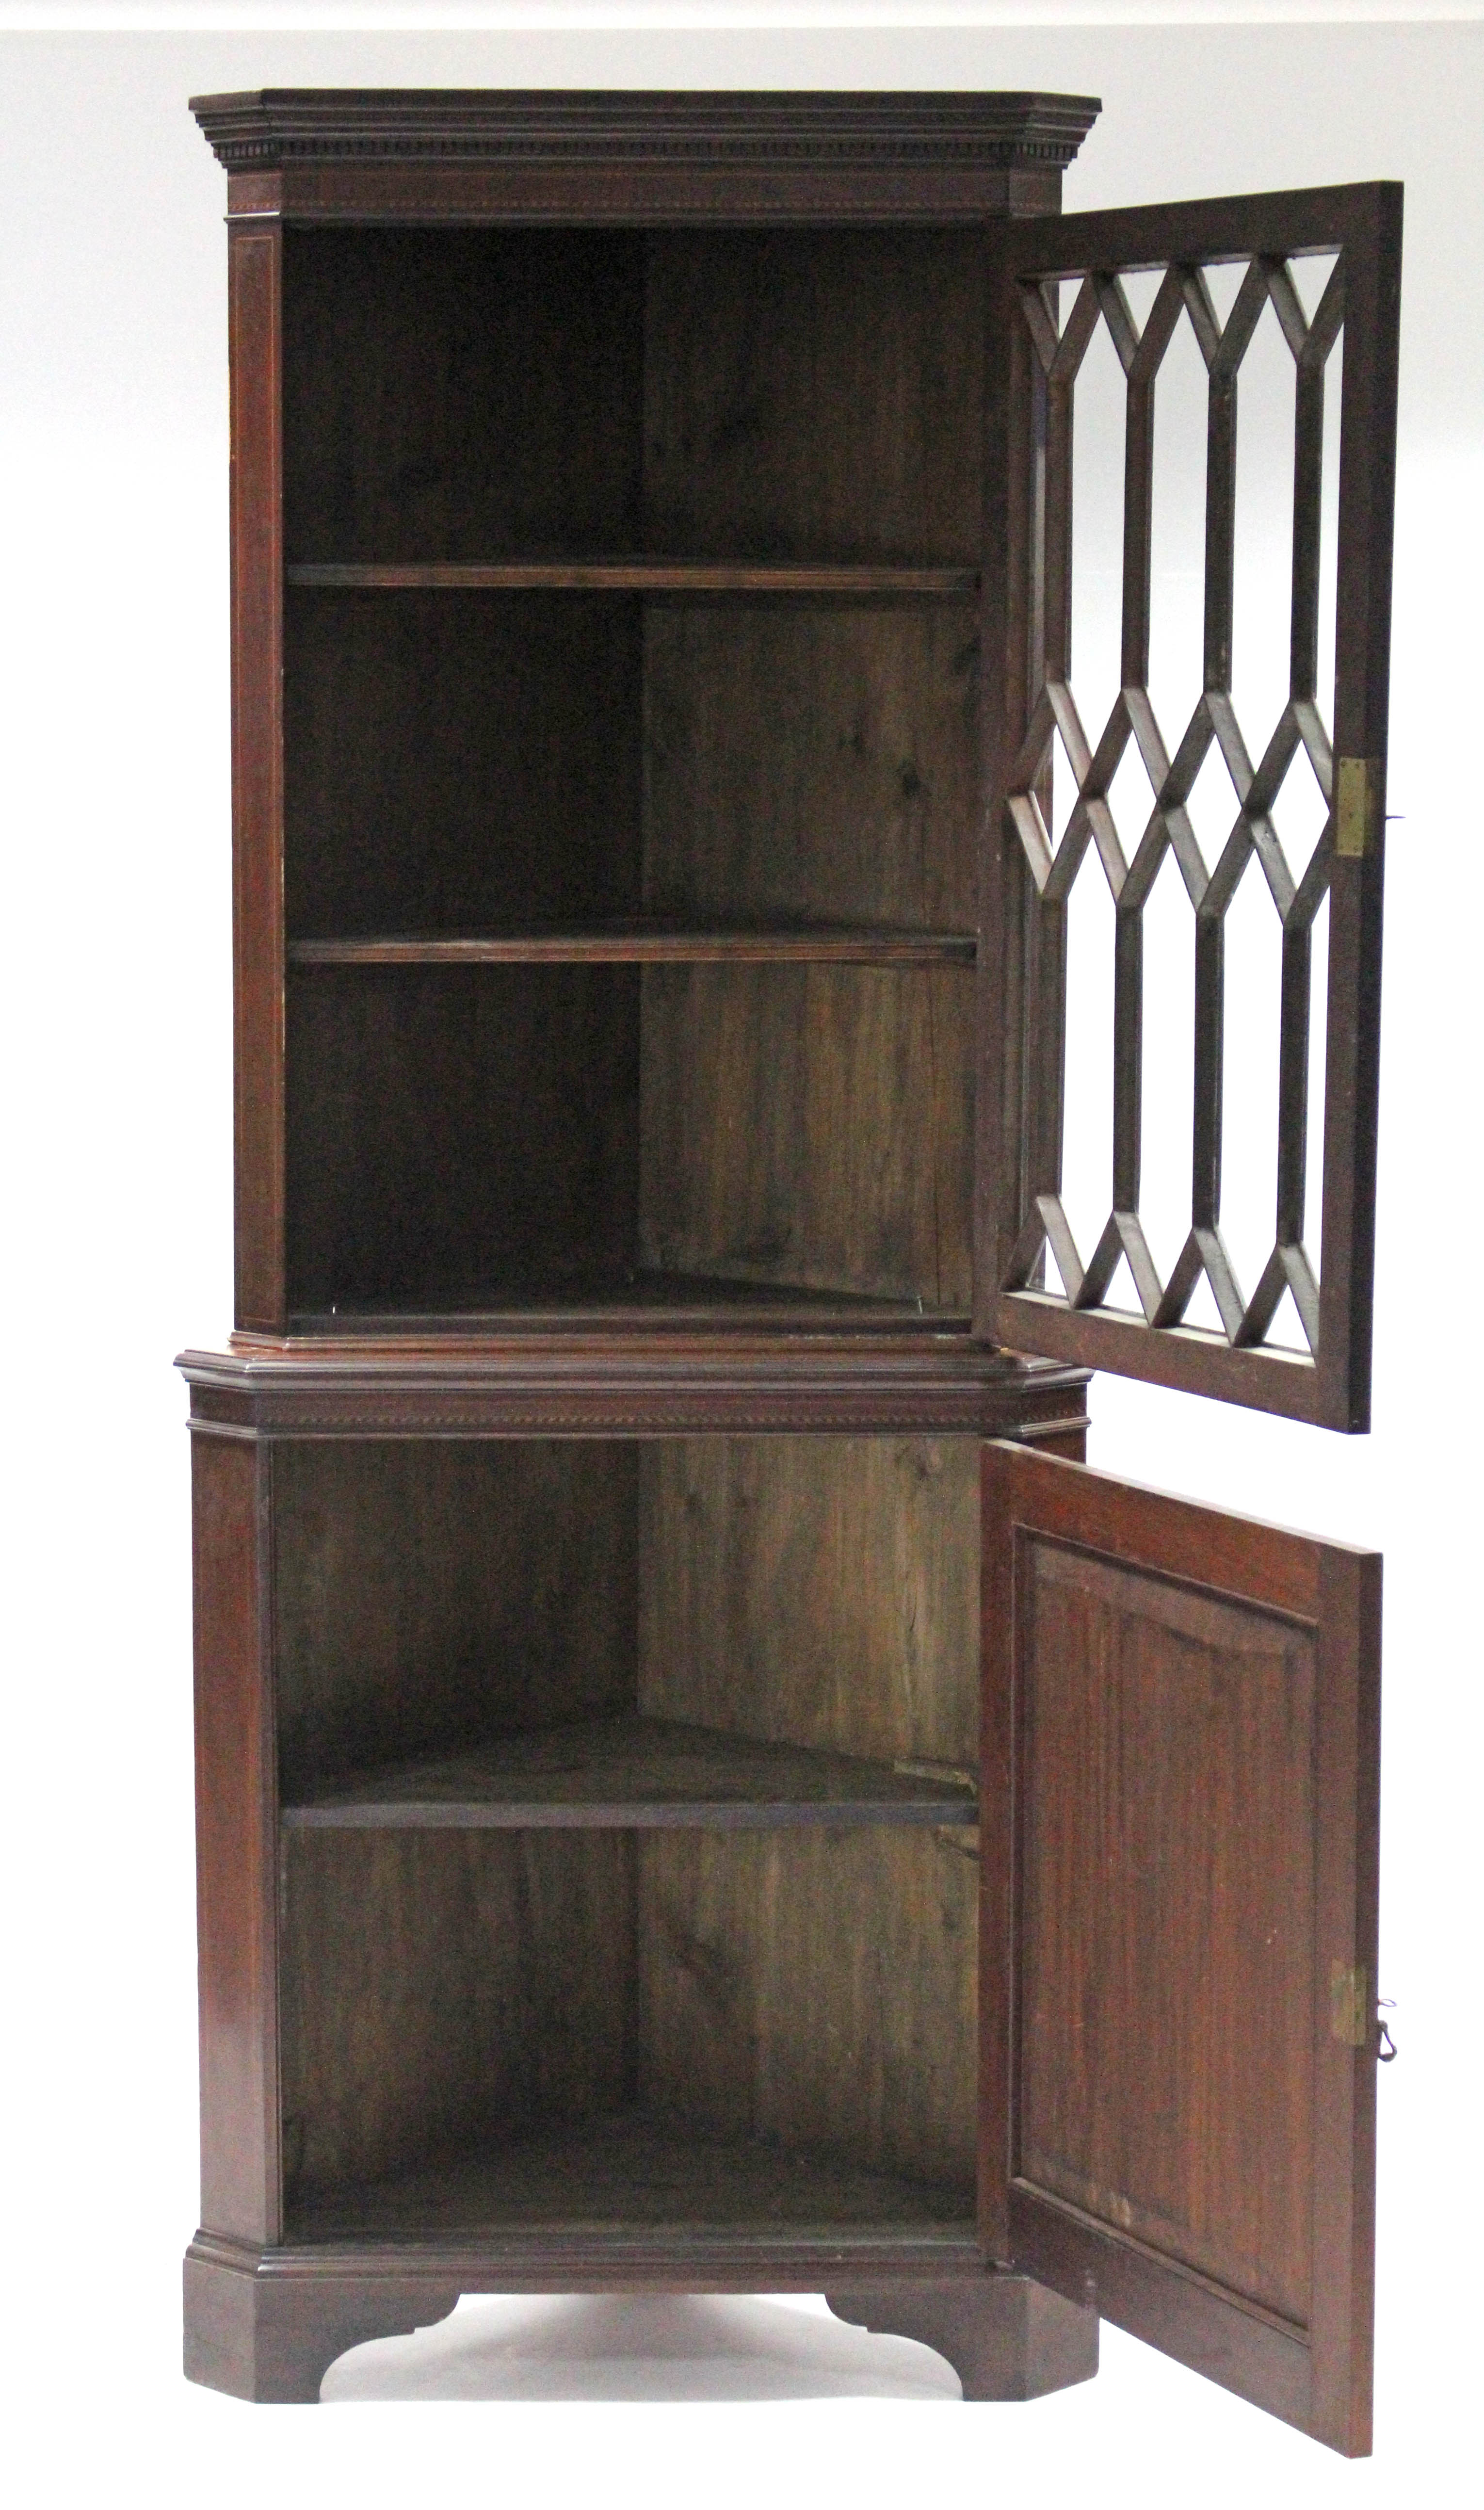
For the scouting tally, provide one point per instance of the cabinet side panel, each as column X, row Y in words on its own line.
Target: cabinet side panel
column 446, row 1992
column 816, row 1991
column 814, row 761
column 810, row 1127
column 434, row 1593
column 459, row 761
column 469, row 395
column 809, row 394
column 236, row 1825
column 823, row 1591
column 459, row 1134
column 256, row 296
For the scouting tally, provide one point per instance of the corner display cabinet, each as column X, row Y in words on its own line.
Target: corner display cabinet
column 699, row 1787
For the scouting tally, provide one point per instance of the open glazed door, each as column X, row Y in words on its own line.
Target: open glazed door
column 1211, row 786
column 1178, row 1929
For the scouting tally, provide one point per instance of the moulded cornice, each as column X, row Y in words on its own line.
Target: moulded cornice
column 267, row 129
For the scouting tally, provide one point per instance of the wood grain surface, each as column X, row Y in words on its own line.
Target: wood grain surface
column 627, row 1771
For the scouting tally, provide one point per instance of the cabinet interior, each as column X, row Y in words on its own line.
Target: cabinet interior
column 630, row 893
column 709, row 1955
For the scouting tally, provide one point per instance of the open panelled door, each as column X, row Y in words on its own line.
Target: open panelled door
column 1187, row 757
column 1178, row 1929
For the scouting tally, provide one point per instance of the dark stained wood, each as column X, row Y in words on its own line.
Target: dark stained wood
column 683, row 576
column 852, row 1167
column 1027, row 588
column 624, row 944
column 820, row 1590
column 675, row 497
column 254, row 282
column 1007, row 2337
column 458, row 397
column 1180, row 1824
column 447, row 1989
column 647, row 2170
column 1362, row 680
column 236, row 1812
column 571, row 157
column 750, row 338
column 453, row 1130
column 271, row 2336
column 431, row 1596
column 815, row 1988
column 441, row 777
column 810, row 762
column 587, row 1374
column 632, row 1772
column 618, row 1299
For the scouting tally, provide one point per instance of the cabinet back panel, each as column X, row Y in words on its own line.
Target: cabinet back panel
column 448, row 1989
column 803, row 760
column 823, row 1591
column 460, row 760
column 815, row 1990
column 458, row 1133
column 463, row 394
column 816, row 392
column 432, row 1592
column 810, row 1125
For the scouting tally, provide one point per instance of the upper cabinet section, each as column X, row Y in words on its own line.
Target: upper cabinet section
column 603, row 158
column 608, row 512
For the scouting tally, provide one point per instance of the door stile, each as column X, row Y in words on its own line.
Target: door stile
column 1362, row 683
column 1346, row 1935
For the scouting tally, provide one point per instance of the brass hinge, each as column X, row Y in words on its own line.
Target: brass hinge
column 1350, row 2019
column 1357, row 807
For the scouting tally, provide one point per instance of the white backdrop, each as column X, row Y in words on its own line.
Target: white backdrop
column 114, row 774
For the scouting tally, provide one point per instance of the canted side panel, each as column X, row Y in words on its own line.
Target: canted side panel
column 446, row 1990
column 816, row 1992
column 254, row 284
column 458, row 1132
column 810, row 1127
column 236, row 1824
column 824, row 1591
column 819, row 392
column 1167, row 1944
column 459, row 761
column 432, row 1593
column 461, row 396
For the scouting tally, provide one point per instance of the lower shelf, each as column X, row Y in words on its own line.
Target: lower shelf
column 635, row 2171
column 623, row 1295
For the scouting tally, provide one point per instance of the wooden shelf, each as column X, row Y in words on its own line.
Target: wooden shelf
column 620, row 1295
column 635, row 2170
column 682, row 576
column 633, row 1772
column 641, row 941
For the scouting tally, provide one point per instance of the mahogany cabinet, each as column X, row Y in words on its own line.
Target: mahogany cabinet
column 698, row 1785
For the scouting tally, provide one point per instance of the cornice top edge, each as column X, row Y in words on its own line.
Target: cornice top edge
column 266, row 127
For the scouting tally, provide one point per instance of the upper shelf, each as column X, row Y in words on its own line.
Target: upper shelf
column 625, row 942
column 685, row 576
column 627, row 1771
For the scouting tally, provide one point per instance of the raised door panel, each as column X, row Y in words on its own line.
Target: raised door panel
column 1179, row 1827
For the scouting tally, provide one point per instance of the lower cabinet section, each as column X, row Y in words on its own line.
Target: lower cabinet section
column 860, row 1864
column 594, row 2029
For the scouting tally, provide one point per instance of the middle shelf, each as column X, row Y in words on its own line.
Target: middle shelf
column 636, row 940
column 630, row 1771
